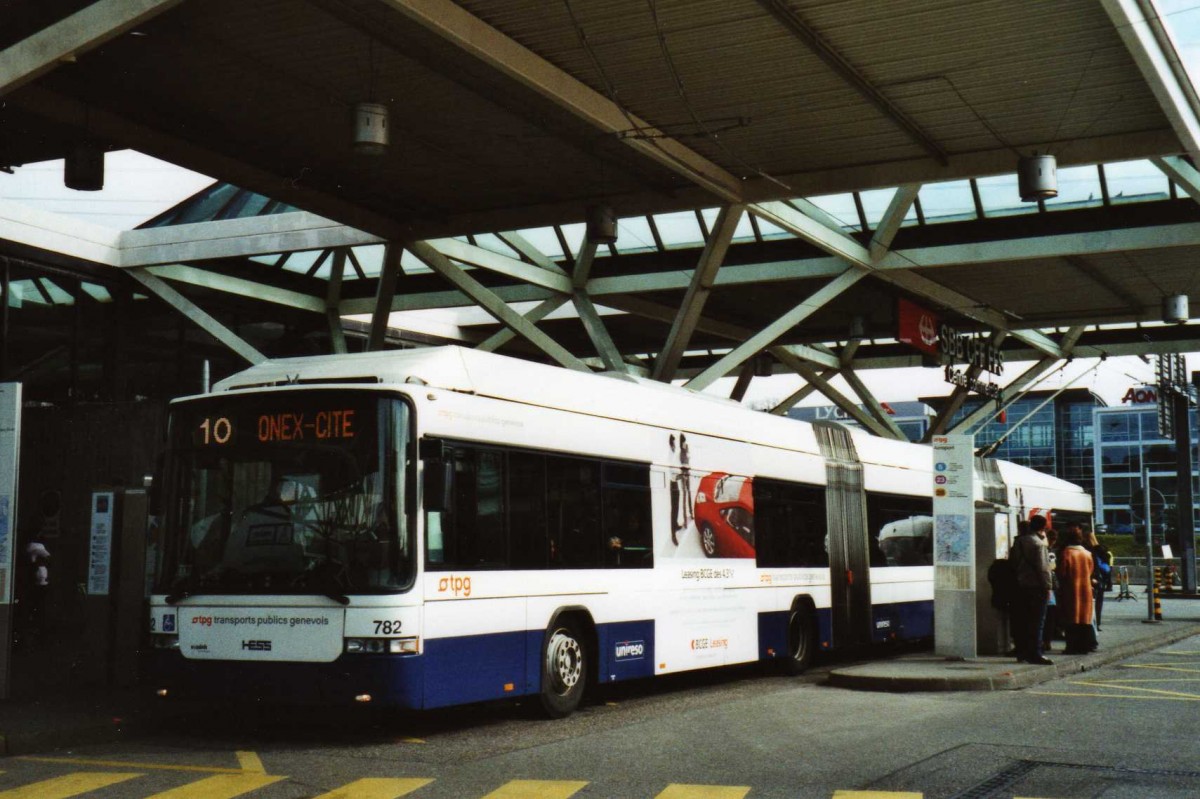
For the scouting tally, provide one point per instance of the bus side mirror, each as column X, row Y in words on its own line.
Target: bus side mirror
column 439, row 480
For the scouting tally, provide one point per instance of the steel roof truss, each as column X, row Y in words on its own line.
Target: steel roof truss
column 494, row 305
column 385, row 291
column 773, row 331
column 893, row 217
column 1147, row 40
column 700, row 286
column 333, row 296
column 73, row 36
column 182, row 273
column 163, row 291
column 839, row 399
column 597, row 332
column 504, row 54
column 535, row 315
column 873, row 405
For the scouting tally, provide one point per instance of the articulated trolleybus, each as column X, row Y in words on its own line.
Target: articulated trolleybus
column 434, row 527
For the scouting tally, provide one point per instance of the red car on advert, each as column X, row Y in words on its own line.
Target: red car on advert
column 724, row 514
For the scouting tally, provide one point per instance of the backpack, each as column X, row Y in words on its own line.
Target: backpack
column 1002, row 577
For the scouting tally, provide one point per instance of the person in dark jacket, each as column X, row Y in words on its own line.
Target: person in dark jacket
column 1033, row 591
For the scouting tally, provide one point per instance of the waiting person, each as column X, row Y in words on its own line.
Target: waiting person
column 1033, row 591
column 1102, row 576
column 1075, row 567
column 1051, row 627
column 38, row 564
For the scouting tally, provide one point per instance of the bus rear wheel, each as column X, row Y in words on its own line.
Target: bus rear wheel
column 801, row 641
column 564, row 670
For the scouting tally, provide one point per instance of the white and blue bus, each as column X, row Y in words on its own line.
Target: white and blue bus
column 432, row 527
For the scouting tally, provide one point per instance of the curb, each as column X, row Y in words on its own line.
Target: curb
column 1011, row 679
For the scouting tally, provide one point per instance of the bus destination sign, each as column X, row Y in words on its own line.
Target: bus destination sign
column 279, row 426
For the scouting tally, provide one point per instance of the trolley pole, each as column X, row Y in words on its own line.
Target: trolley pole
column 1149, row 548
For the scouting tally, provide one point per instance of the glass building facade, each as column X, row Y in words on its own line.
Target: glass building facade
column 1127, row 442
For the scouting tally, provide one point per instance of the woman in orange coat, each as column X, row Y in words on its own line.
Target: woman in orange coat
column 1075, row 565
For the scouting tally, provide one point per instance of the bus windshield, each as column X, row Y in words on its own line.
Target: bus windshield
column 295, row 492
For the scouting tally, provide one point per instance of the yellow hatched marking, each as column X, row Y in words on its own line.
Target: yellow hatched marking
column 249, row 761
column 376, row 788
column 1158, row 667
column 877, row 795
column 221, row 786
column 1114, row 696
column 66, row 786
column 676, row 791
column 84, row 761
column 536, row 789
column 1125, row 687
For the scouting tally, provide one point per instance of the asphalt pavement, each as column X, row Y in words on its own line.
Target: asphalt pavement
column 65, row 716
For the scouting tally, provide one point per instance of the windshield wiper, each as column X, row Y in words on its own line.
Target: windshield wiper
column 341, row 599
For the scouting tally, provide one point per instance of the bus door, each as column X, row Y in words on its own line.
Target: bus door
column 847, row 540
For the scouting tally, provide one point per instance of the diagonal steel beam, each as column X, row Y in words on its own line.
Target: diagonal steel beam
column 771, row 332
column 839, row 399
column 486, row 299
column 333, row 296
column 597, row 332
column 698, row 290
column 893, row 217
column 1146, row 38
column 385, row 290
column 522, row 245
column 502, row 264
column 535, row 315
column 874, row 407
column 205, row 321
column 459, row 27
column 1181, row 173
column 73, row 36
column 787, row 16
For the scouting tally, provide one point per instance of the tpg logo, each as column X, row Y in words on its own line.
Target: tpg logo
column 629, row 650
column 203, row 621
column 459, row 586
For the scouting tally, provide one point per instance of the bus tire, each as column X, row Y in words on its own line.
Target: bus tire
column 801, row 640
column 708, row 540
column 564, row 669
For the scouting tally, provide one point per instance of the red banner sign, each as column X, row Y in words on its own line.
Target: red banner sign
column 918, row 327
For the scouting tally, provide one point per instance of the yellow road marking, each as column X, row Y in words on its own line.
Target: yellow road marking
column 1112, row 696
column 249, row 762
column 877, row 795
column 536, row 789
column 222, row 786
column 1157, row 667
column 67, row 786
column 84, row 761
column 412, row 740
column 703, row 792
column 376, row 788
column 1138, row 688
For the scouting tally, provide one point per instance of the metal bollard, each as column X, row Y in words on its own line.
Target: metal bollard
column 1157, row 605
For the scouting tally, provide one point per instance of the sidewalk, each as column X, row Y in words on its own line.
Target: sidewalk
column 1124, row 634
column 65, row 714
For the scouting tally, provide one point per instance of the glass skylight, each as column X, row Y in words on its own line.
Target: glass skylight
column 1135, row 181
column 840, row 207
column 1078, row 187
column 1001, row 197
column 633, row 235
column 947, row 202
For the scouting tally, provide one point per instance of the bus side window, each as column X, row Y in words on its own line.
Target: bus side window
column 528, row 541
column 573, row 493
column 789, row 521
column 627, row 518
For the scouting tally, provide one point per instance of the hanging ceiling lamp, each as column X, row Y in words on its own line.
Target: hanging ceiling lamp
column 602, row 224
column 1037, row 177
column 370, row 128
column 1175, row 309
column 83, row 168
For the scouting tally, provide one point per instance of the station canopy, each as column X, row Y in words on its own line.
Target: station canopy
column 782, row 172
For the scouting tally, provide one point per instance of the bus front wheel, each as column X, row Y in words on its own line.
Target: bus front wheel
column 801, row 640
column 564, row 670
